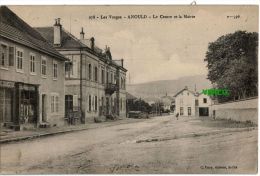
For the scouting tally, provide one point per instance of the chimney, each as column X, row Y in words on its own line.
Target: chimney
column 82, row 34
column 122, row 61
column 57, row 32
column 92, row 43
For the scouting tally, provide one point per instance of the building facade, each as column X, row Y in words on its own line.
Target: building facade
column 95, row 83
column 31, row 76
column 190, row 103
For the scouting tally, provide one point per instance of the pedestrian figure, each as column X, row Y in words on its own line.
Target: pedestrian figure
column 177, row 116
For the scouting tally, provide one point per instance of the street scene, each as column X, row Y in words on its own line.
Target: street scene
column 157, row 145
column 129, row 89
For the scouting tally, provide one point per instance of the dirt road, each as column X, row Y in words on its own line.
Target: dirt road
column 157, row 145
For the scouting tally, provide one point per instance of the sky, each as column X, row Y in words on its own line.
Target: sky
column 152, row 48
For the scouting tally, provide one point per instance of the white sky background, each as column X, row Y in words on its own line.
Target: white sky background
column 157, row 49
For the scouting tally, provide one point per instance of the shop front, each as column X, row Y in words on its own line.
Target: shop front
column 18, row 104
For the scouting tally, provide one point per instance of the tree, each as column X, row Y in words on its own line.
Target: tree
column 232, row 64
column 139, row 105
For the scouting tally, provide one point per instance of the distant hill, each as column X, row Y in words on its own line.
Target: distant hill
column 152, row 90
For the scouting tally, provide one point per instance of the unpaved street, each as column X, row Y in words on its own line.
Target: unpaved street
column 157, row 145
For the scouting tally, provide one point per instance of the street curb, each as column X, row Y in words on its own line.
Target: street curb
column 37, row 136
column 30, row 137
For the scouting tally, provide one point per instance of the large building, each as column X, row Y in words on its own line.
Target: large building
column 31, row 76
column 95, row 82
column 192, row 103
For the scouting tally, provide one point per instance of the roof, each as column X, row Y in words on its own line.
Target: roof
column 167, row 97
column 130, row 96
column 192, row 92
column 14, row 28
column 67, row 39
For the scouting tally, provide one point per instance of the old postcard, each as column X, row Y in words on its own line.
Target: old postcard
column 129, row 89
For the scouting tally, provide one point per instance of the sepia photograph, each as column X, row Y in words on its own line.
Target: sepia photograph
column 129, row 89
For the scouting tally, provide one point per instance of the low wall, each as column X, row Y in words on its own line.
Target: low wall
column 243, row 110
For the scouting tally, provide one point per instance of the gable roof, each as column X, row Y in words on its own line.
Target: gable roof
column 192, row 92
column 14, row 28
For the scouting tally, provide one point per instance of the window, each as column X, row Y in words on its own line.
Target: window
column 103, row 76
column 111, row 75
column 93, row 102
column 89, row 71
column 43, row 66
column 204, row 100
column 55, row 70
column 19, row 60
column 67, row 69
column 181, row 110
column 107, row 77
column 123, row 83
column 54, row 103
column 115, row 79
column 3, row 55
column 57, row 104
column 11, row 56
column 96, row 74
column 96, row 103
column 32, row 63
column 196, row 103
column 89, row 102
column 189, row 111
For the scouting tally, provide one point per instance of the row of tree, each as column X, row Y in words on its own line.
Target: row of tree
column 141, row 105
column 232, row 62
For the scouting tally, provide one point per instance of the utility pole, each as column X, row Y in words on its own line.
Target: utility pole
column 129, row 79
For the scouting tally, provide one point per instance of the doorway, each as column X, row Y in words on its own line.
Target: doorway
column 189, row 111
column 68, row 104
column 107, row 106
column 5, row 105
column 44, row 116
column 204, row 111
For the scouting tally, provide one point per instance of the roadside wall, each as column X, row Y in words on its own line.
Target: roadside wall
column 243, row 110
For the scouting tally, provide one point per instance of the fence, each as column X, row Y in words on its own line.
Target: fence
column 242, row 110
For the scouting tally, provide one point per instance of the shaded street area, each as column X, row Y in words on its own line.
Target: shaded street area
column 156, row 145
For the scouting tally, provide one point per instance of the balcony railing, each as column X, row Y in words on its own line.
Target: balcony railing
column 111, row 88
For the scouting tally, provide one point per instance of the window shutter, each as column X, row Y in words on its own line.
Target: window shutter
column 75, row 102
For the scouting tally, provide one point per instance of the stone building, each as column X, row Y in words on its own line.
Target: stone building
column 191, row 103
column 31, row 76
column 95, row 82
